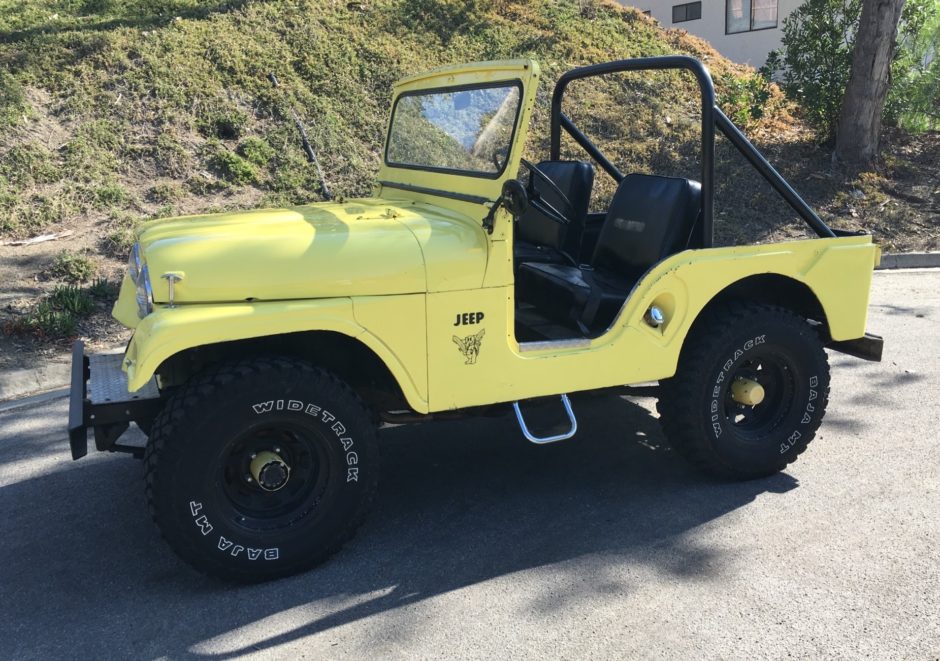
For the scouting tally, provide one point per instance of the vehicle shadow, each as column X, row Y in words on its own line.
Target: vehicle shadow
column 460, row 503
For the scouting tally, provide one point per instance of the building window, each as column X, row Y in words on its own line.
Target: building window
column 748, row 15
column 688, row 12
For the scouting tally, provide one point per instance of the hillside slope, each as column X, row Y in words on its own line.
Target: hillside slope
column 114, row 111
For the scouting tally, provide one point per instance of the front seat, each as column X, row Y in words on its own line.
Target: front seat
column 650, row 218
column 539, row 238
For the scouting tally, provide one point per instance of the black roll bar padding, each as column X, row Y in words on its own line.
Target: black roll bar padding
column 767, row 171
column 642, row 64
column 711, row 116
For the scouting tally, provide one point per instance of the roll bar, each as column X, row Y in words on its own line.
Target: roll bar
column 712, row 117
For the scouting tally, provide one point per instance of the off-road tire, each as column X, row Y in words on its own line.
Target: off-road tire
column 698, row 413
column 196, row 471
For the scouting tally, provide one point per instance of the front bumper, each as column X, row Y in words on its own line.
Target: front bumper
column 99, row 399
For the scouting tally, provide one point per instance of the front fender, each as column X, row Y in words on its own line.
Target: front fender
column 167, row 331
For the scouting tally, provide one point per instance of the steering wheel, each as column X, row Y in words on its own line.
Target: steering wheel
column 538, row 202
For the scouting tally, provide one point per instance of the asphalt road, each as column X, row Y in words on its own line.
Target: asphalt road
column 484, row 546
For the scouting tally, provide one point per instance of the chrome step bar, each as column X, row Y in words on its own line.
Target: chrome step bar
column 548, row 439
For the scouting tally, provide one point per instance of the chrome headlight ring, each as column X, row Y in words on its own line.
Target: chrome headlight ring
column 134, row 263
column 144, row 292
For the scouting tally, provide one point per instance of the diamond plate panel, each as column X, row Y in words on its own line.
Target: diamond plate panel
column 108, row 382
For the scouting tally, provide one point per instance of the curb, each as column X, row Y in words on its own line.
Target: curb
column 910, row 260
column 15, row 384
column 33, row 400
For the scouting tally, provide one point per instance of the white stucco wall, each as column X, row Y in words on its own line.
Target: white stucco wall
column 745, row 47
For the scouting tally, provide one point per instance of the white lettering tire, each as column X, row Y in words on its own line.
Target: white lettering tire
column 754, row 344
column 304, row 433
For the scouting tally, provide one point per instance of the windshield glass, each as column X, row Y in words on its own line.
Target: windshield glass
column 464, row 130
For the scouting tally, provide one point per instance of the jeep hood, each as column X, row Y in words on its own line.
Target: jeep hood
column 333, row 249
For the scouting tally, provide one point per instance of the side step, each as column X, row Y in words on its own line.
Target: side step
column 548, row 439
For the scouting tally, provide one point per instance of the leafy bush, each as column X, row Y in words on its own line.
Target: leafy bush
column 72, row 267
column 744, row 98
column 109, row 195
column 914, row 100
column 104, row 289
column 47, row 322
column 55, row 317
column 232, row 167
column 71, row 299
column 818, row 40
column 256, row 151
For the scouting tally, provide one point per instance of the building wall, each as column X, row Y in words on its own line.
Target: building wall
column 745, row 47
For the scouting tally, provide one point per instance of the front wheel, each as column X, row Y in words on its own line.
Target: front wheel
column 749, row 393
column 260, row 468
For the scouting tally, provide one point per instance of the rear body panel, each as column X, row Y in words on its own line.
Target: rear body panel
column 837, row 271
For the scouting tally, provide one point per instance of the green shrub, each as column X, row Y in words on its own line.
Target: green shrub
column 104, row 289
column 72, row 267
column 72, row 299
column 818, row 40
column 232, row 167
column 256, row 151
column 743, row 98
column 914, row 99
column 57, row 315
column 817, row 56
column 166, row 211
column 45, row 321
column 109, row 195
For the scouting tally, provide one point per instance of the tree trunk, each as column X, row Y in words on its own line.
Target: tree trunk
column 863, row 104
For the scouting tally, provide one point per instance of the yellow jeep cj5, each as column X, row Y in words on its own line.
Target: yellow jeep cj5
column 269, row 345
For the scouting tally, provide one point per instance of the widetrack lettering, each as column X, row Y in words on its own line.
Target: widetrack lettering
column 314, row 411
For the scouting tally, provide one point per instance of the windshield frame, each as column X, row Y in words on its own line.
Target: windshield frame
column 509, row 82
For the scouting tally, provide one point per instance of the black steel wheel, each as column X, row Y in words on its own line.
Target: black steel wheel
column 749, row 393
column 261, row 468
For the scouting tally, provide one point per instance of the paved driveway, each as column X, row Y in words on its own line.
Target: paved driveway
column 484, row 546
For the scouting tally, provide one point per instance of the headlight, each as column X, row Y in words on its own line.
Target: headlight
column 142, row 281
column 134, row 262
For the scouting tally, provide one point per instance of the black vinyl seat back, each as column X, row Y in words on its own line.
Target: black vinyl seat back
column 575, row 179
column 649, row 218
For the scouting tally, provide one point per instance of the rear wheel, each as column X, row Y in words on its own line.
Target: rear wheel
column 260, row 468
column 749, row 393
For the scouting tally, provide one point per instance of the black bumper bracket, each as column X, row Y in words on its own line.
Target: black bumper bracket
column 99, row 399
